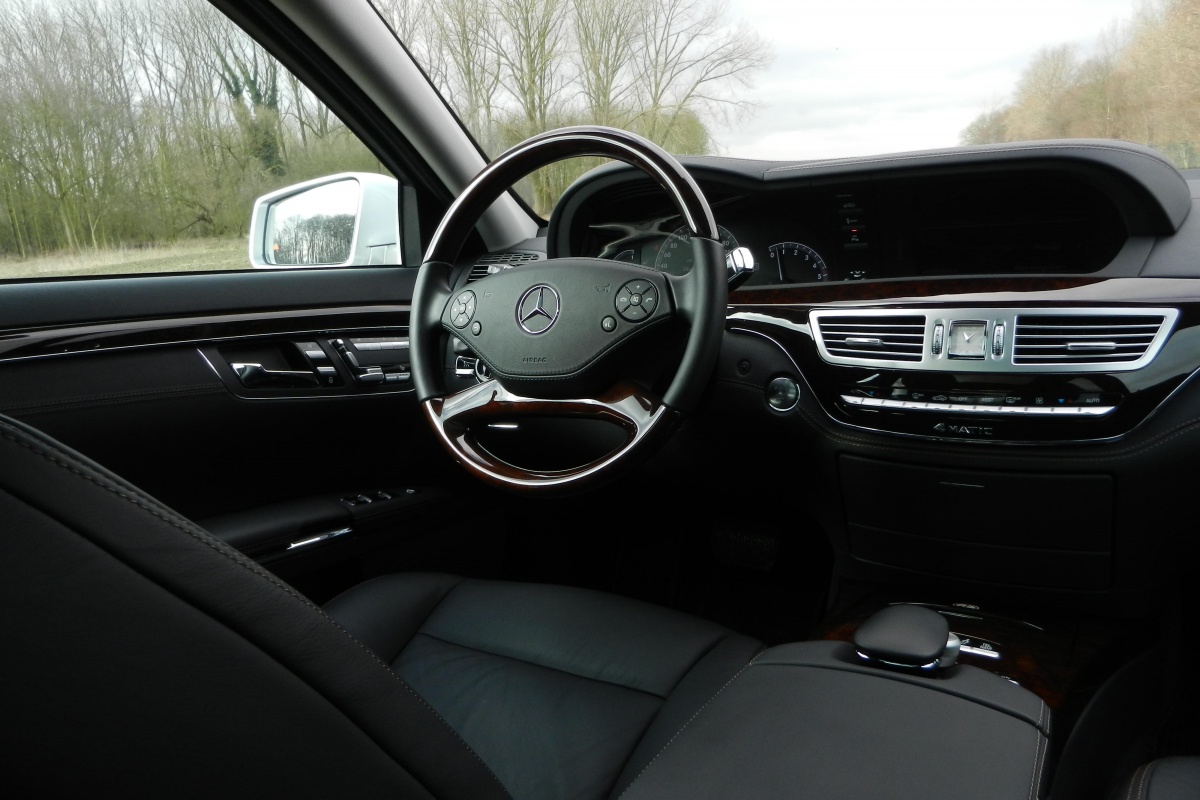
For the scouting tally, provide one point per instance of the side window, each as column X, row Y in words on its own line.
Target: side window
column 154, row 136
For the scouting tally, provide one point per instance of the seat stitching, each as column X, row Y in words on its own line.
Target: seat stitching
column 474, row 649
column 729, row 636
column 237, row 558
column 683, row 727
column 1039, row 740
column 1140, row 784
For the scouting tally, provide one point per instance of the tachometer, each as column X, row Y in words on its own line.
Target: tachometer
column 675, row 255
column 798, row 263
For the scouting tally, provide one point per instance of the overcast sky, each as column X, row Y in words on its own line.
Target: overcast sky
column 853, row 77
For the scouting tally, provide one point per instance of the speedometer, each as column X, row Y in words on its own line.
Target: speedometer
column 675, row 255
column 798, row 263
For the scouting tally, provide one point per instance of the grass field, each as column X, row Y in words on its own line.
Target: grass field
column 199, row 255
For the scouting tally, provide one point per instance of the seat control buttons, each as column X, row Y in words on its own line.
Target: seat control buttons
column 636, row 300
column 463, row 309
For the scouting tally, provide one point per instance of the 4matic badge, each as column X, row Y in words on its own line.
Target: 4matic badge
column 964, row 430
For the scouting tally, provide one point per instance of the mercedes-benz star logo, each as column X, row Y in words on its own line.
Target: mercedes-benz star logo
column 538, row 309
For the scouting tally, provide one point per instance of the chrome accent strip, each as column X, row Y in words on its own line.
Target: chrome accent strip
column 962, row 408
column 936, row 358
column 323, row 537
column 975, row 651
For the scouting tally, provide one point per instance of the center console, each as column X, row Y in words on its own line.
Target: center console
column 819, row 719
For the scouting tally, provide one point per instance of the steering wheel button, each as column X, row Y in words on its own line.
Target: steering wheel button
column 635, row 300
column 608, row 324
column 623, row 301
column 634, row 313
column 461, row 320
column 648, row 300
column 476, row 328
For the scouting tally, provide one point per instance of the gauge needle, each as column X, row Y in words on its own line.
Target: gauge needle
column 967, row 336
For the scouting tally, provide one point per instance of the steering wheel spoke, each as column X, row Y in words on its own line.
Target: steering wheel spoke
column 642, row 417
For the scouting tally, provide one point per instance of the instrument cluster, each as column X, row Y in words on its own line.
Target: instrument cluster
column 965, row 222
column 806, row 246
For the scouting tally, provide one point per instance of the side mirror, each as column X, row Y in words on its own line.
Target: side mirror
column 347, row 219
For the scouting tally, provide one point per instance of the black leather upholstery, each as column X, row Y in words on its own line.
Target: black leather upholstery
column 1165, row 779
column 142, row 657
column 601, row 682
column 813, row 721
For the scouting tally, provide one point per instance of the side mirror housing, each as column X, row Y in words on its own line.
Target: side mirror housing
column 347, row 219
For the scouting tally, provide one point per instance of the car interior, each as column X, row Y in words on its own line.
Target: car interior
column 863, row 477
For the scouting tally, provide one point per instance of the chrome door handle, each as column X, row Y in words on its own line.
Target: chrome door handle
column 258, row 376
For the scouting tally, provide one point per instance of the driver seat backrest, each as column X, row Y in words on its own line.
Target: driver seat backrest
column 143, row 657
column 146, row 657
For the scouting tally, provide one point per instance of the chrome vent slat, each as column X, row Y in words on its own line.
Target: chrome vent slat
column 1048, row 339
column 1147, row 335
column 875, row 354
column 1086, row 356
column 1067, row 343
column 899, row 337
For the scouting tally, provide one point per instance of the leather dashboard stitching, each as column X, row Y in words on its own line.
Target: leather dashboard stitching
column 63, row 460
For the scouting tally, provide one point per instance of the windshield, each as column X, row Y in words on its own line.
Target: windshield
column 763, row 79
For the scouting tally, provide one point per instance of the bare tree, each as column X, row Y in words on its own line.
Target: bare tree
column 690, row 62
column 608, row 35
column 464, row 30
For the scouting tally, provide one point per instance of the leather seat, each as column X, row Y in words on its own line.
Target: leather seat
column 562, row 692
column 145, row 657
column 1176, row 778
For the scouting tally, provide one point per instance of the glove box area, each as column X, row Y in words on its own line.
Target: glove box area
column 1048, row 530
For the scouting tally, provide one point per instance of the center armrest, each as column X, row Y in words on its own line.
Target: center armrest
column 806, row 720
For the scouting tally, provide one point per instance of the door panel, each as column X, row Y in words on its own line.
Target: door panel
column 153, row 394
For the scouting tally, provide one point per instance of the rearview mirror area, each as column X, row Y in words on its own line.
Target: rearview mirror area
column 347, row 219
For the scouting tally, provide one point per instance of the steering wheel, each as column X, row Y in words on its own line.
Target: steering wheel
column 554, row 333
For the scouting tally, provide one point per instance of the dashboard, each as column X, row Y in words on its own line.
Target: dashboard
column 949, row 226
column 1018, row 294
column 1002, row 219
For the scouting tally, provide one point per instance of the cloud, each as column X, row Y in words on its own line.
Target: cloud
column 881, row 76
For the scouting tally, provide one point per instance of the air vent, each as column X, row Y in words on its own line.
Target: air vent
column 1049, row 339
column 874, row 338
column 495, row 262
column 1018, row 340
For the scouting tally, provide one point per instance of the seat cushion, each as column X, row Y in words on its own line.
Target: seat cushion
column 563, row 692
